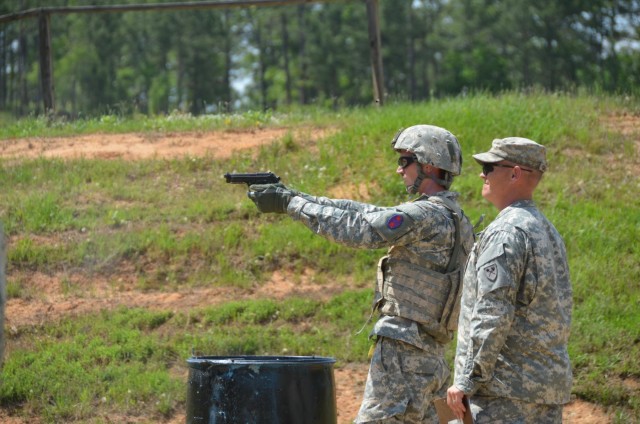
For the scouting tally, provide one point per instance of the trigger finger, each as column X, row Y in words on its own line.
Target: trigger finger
column 258, row 187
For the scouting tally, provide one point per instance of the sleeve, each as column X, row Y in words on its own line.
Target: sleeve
column 357, row 224
column 499, row 270
column 344, row 204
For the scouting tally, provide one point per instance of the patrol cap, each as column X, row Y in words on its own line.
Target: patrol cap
column 518, row 150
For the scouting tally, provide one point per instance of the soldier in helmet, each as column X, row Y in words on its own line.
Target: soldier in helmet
column 418, row 284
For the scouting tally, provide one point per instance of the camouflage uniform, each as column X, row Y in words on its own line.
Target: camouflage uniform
column 515, row 319
column 499, row 410
column 408, row 365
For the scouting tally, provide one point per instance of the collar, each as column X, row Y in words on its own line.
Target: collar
column 518, row 204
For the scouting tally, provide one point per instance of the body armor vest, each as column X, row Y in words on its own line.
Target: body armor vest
column 419, row 293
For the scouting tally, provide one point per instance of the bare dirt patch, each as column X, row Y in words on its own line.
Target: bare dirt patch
column 49, row 298
column 219, row 144
column 628, row 125
column 54, row 296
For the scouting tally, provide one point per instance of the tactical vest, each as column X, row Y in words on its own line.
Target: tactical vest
column 416, row 292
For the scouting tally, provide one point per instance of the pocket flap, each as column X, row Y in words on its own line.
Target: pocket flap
column 490, row 253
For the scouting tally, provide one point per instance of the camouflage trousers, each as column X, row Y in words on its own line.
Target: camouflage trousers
column 496, row 410
column 402, row 383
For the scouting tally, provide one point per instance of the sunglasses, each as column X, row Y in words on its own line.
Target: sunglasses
column 404, row 161
column 487, row 168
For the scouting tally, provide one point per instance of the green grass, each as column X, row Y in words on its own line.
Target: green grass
column 174, row 122
column 175, row 224
column 122, row 360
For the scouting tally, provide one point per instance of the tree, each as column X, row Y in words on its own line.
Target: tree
column 155, row 62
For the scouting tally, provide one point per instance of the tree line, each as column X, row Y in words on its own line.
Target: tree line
column 212, row 61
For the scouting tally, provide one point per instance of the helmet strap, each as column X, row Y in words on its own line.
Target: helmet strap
column 446, row 182
column 415, row 187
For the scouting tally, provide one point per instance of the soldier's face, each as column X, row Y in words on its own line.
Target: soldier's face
column 407, row 168
column 496, row 184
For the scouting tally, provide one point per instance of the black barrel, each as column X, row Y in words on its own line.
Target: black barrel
column 261, row 390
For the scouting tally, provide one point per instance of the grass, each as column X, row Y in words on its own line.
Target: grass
column 176, row 224
column 123, row 360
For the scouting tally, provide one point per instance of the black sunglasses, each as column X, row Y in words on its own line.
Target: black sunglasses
column 404, row 161
column 487, row 168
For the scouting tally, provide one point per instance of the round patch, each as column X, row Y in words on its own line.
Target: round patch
column 395, row 222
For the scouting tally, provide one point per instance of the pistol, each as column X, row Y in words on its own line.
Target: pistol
column 252, row 178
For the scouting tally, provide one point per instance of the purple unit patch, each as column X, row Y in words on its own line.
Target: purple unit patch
column 395, row 222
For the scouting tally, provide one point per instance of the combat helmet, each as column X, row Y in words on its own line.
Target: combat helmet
column 433, row 146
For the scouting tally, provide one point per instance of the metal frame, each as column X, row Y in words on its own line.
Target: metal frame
column 44, row 19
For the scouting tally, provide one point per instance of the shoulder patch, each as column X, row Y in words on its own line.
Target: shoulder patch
column 395, row 221
column 491, row 272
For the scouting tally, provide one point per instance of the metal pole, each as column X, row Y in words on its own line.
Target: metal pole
column 46, row 65
column 376, row 56
column 189, row 5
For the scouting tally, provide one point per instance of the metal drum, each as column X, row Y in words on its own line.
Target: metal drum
column 261, row 390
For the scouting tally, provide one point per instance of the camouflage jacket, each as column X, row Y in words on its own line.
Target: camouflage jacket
column 516, row 311
column 422, row 231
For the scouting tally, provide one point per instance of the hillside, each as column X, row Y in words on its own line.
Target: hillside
column 49, row 300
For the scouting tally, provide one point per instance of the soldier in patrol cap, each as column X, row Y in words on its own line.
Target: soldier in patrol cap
column 511, row 358
column 418, row 285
